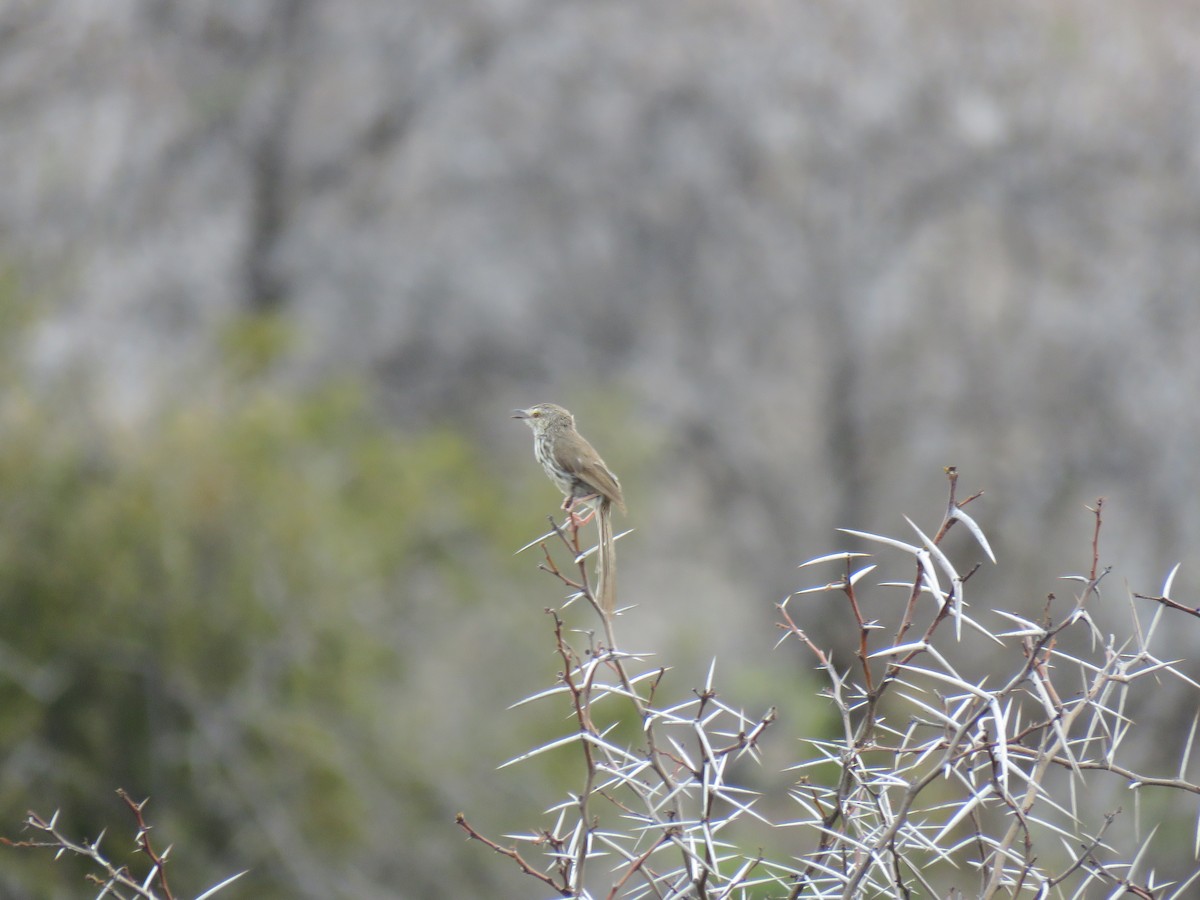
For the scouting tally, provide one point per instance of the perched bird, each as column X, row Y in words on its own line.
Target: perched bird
column 578, row 471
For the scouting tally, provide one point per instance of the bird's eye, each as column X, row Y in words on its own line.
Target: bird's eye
column 536, row 413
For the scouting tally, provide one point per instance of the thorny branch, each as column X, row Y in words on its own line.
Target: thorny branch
column 561, row 889
column 1013, row 726
column 144, row 843
column 114, row 878
column 672, row 787
column 875, row 832
column 115, row 881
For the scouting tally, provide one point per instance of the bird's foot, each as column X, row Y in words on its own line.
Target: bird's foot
column 577, row 521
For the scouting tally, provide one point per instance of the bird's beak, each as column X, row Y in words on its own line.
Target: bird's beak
column 520, row 414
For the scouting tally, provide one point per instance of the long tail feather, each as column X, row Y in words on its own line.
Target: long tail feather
column 606, row 570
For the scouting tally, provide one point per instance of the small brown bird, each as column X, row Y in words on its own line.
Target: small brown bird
column 578, row 471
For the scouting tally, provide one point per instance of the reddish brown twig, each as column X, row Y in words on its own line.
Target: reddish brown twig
column 143, row 841
column 511, row 852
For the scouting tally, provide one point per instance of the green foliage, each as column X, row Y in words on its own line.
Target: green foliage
column 213, row 611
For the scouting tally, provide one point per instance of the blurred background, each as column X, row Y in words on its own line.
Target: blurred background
column 272, row 275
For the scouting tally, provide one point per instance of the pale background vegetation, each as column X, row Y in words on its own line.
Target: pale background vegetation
column 275, row 272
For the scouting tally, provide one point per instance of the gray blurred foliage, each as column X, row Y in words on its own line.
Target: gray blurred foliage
column 784, row 261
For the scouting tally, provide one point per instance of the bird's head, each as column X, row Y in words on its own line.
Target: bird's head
column 542, row 414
